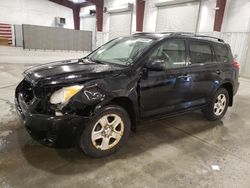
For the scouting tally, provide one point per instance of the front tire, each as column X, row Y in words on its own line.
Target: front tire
column 217, row 107
column 106, row 132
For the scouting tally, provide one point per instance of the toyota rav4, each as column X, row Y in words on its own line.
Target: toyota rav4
column 97, row 100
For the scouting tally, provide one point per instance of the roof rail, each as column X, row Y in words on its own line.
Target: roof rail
column 169, row 32
column 182, row 33
column 206, row 36
column 142, row 33
column 145, row 33
column 195, row 35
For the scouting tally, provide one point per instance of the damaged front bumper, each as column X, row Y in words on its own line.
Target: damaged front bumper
column 50, row 130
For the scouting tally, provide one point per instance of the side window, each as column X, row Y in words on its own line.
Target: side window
column 173, row 52
column 221, row 53
column 200, row 52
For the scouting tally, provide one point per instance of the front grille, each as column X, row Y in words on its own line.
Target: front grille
column 35, row 97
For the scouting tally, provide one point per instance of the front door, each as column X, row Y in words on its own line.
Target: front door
column 167, row 90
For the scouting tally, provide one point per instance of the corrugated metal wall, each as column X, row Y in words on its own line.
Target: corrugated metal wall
column 238, row 42
column 53, row 38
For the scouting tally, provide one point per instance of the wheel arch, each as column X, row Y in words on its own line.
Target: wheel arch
column 229, row 87
column 128, row 105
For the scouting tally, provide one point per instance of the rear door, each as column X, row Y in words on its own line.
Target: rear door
column 224, row 57
column 204, row 71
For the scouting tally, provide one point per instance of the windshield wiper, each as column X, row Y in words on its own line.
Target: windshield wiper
column 95, row 60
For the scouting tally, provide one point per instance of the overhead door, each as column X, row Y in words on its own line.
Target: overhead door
column 88, row 23
column 120, row 24
column 179, row 17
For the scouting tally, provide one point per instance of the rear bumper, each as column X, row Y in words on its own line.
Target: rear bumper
column 56, row 131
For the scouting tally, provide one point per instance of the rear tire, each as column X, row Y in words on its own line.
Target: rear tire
column 106, row 132
column 217, row 107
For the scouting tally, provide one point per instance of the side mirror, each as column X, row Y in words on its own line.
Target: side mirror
column 156, row 65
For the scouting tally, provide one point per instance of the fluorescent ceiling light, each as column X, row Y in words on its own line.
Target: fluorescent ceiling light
column 78, row 1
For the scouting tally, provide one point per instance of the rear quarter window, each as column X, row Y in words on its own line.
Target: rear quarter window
column 200, row 52
column 222, row 53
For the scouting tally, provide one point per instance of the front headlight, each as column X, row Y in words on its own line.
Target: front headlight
column 63, row 95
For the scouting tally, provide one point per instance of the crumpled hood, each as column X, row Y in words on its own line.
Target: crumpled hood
column 68, row 71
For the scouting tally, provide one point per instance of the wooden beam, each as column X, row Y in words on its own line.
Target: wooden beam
column 95, row 2
column 219, row 14
column 85, row 4
column 99, row 14
column 76, row 16
column 140, row 8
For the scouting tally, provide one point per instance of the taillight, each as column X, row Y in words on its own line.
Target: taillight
column 236, row 64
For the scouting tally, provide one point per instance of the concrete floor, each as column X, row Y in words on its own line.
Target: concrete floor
column 176, row 152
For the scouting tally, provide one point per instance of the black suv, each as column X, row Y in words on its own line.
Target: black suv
column 95, row 101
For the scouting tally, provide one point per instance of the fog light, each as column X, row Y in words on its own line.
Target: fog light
column 57, row 113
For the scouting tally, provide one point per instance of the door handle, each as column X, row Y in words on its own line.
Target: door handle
column 218, row 71
column 185, row 77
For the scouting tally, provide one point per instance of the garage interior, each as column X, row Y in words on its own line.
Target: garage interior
column 183, row 151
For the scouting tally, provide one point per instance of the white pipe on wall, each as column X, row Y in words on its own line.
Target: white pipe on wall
column 198, row 17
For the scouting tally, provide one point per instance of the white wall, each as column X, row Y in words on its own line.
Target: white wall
column 88, row 22
column 150, row 16
column 36, row 12
column 43, row 12
column 84, row 12
column 246, row 67
column 237, row 16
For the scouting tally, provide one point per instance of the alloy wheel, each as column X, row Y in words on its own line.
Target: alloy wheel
column 107, row 132
column 220, row 104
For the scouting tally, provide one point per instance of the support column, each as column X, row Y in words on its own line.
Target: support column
column 221, row 4
column 140, row 8
column 76, row 16
column 99, row 14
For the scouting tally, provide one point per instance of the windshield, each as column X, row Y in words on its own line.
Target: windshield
column 122, row 51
